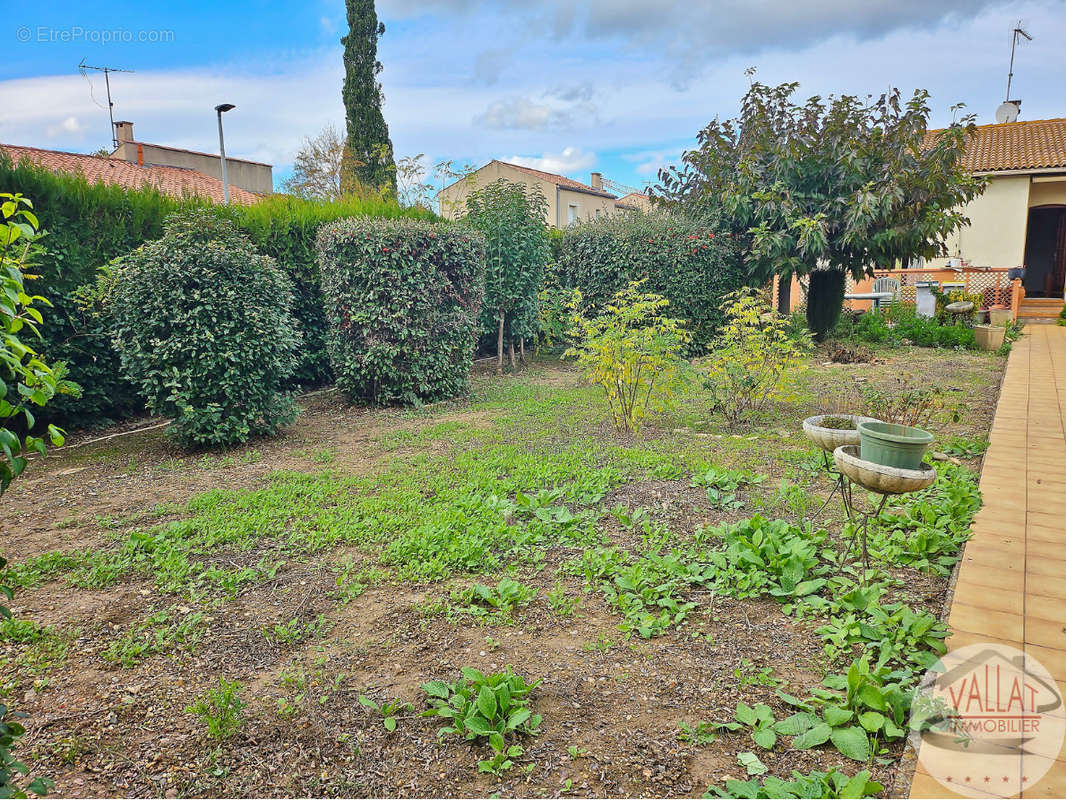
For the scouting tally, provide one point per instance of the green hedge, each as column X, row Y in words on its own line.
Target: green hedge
column 690, row 263
column 88, row 225
column 402, row 298
column 203, row 326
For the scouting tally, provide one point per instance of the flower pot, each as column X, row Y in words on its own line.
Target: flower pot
column 981, row 316
column 989, row 337
column 999, row 316
column 829, row 439
column 891, row 445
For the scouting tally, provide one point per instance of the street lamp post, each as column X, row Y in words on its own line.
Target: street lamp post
column 222, row 107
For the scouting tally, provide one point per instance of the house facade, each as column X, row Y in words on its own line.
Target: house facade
column 569, row 201
column 1020, row 219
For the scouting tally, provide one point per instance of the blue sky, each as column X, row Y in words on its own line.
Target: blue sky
column 620, row 86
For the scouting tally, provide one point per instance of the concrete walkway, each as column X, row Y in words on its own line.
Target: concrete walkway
column 1011, row 586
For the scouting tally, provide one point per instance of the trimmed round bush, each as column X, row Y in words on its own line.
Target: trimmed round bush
column 402, row 298
column 690, row 263
column 203, row 326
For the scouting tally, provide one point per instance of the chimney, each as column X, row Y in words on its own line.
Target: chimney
column 597, row 181
column 124, row 131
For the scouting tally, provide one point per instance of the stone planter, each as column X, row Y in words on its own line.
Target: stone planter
column 981, row 316
column 891, row 445
column 989, row 337
column 878, row 477
column 999, row 316
column 829, row 439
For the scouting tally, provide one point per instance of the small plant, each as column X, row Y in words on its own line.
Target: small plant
column 755, row 361
column 387, row 708
column 561, row 603
column 838, row 423
column 498, row 602
column 11, row 769
column 722, row 486
column 909, row 401
column 699, row 733
column 632, row 351
column 749, row 675
column 829, row 785
column 479, row 705
column 221, row 709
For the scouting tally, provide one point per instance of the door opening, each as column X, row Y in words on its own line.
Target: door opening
column 1045, row 252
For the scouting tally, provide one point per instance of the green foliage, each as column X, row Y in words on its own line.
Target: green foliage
column 388, row 709
column 221, row 709
column 511, row 218
column 121, row 220
column 12, row 771
column 203, row 327
column 825, row 301
column 478, row 705
column 692, row 264
column 840, row 182
column 368, row 157
column 493, row 603
column 402, row 299
column 755, row 360
column 901, row 323
column 26, row 380
column 831, row 784
column 163, row 631
column 632, row 351
column 1061, row 321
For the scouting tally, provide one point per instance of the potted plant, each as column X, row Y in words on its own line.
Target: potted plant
column 830, row 431
column 989, row 337
column 892, row 445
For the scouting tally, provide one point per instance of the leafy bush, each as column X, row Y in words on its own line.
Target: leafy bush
column 901, row 322
column 402, row 298
column 203, row 327
column 511, row 218
column 631, row 351
column 831, row 784
column 121, row 220
column 690, row 263
column 755, row 360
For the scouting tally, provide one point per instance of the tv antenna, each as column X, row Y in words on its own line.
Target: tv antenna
column 107, row 82
column 1018, row 31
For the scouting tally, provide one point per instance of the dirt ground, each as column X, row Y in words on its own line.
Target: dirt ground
column 102, row 728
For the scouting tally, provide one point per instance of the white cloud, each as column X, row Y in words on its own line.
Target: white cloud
column 570, row 159
column 647, row 163
column 69, row 126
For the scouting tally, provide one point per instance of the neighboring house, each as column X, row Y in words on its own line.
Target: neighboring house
column 252, row 176
column 174, row 181
column 569, row 201
column 1020, row 219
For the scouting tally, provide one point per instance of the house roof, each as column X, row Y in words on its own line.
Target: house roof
column 559, row 180
column 174, row 181
column 1030, row 145
column 633, row 200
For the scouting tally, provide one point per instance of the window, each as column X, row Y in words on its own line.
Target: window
column 597, row 213
column 571, row 212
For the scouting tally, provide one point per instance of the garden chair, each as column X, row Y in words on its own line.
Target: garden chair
column 886, row 285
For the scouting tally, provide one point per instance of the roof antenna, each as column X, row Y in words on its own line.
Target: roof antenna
column 107, row 81
column 1018, row 31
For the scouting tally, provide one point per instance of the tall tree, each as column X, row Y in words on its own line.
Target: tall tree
column 834, row 185
column 511, row 217
column 369, row 149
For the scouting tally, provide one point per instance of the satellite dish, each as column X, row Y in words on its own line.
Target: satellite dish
column 1007, row 112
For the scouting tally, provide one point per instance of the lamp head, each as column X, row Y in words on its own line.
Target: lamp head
column 221, row 107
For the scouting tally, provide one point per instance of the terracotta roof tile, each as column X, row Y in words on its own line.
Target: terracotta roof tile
column 559, row 180
column 174, row 181
column 1033, row 144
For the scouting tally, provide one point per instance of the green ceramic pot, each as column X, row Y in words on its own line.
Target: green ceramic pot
column 899, row 446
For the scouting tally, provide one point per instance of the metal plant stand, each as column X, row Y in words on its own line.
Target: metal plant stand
column 879, row 479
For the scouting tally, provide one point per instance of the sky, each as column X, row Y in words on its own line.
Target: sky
column 570, row 86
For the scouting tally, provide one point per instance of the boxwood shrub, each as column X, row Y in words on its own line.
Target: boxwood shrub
column 203, row 327
column 691, row 263
column 402, row 298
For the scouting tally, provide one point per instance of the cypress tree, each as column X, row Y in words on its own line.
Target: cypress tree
column 368, row 157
